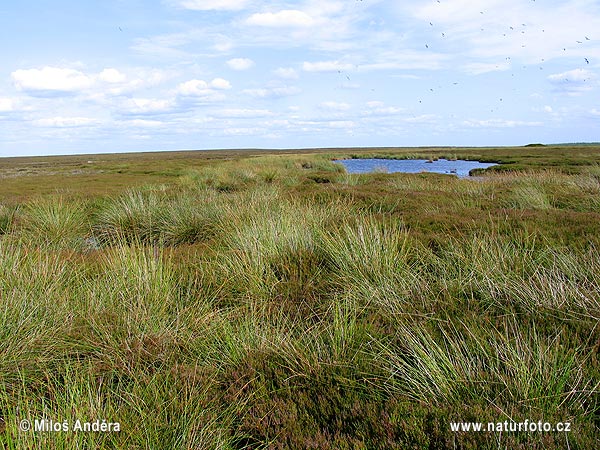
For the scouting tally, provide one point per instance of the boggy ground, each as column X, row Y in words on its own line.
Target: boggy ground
column 270, row 300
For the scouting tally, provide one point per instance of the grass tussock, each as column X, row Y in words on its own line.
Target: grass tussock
column 152, row 217
column 277, row 302
column 54, row 222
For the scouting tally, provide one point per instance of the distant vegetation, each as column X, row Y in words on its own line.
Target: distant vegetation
column 272, row 300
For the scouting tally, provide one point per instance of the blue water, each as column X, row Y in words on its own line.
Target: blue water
column 459, row 167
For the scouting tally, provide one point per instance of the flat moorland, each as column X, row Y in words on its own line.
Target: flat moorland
column 268, row 299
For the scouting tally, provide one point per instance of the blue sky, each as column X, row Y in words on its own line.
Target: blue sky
column 113, row 76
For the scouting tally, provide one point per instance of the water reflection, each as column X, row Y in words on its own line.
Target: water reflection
column 457, row 167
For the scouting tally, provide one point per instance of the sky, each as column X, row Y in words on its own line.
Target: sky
column 132, row 75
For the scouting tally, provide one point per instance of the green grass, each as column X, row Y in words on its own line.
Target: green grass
column 7, row 216
column 262, row 300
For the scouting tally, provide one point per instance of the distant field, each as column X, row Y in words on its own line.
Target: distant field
column 252, row 299
column 112, row 173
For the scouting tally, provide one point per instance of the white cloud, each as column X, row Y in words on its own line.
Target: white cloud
column 423, row 118
column 148, row 106
column 280, row 19
column 112, row 76
column 220, row 83
column 573, row 82
column 335, row 106
column 240, row 63
column 6, row 105
column 121, row 84
column 325, row 66
column 576, row 75
column 51, row 79
column 286, row 73
column 500, row 123
column 407, row 76
column 201, row 88
column 378, row 108
column 206, row 5
column 275, row 92
column 527, row 31
column 99, row 87
column 144, row 123
column 241, row 131
column 64, row 122
column 244, row 113
column 193, row 87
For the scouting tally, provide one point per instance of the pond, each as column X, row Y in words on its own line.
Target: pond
column 458, row 167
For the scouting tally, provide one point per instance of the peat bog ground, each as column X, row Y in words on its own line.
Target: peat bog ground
column 268, row 299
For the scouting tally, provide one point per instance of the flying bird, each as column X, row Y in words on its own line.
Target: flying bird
column 586, row 60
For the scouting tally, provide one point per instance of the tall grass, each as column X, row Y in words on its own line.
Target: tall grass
column 35, row 311
column 246, row 306
column 512, row 365
column 271, row 245
column 374, row 261
column 156, row 218
column 54, row 222
column 7, row 216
